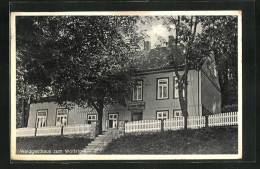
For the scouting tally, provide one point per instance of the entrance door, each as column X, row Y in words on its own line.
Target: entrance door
column 112, row 120
column 137, row 115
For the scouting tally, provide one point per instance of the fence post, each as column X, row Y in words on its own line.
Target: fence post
column 35, row 133
column 61, row 130
column 162, row 125
column 207, row 121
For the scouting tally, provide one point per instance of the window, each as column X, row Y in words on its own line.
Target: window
column 162, row 90
column 162, row 114
column 177, row 113
column 41, row 118
column 137, row 115
column 138, row 91
column 176, row 89
column 112, row 120
column 62, row 117
column 91, row 118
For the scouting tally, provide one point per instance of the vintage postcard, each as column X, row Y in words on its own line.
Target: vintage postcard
column 128, row 85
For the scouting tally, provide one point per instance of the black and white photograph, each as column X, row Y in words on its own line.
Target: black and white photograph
column 126, row 85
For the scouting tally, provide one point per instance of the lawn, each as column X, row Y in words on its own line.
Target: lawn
column 215, row 140
column 51, row 145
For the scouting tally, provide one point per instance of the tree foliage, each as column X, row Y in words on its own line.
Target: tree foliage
column 189, row 48
column 86, row 60
column 221, row 33
column 91, row 60
column 185, row 53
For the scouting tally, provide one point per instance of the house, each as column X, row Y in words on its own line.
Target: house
column 155, row 97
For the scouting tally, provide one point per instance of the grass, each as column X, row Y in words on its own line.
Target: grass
column 50, row 145
column 215, row 140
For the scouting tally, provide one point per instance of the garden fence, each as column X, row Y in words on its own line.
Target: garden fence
column 177, row 123
column 223, row 119
column 143, row 126
column 53, row 130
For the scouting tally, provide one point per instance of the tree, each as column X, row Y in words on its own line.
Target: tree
column 190, row 48
column 221, row 33
column 25, row 92
column 185, row 53
column 83, row 60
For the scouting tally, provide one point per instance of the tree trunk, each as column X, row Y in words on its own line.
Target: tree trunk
column 23, row 113
column 26, row 112
column 183, row 104
column 100, row 117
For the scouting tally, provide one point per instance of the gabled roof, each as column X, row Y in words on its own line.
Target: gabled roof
column 157, row 60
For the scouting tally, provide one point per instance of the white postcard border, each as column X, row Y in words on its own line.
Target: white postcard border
column 25, row 157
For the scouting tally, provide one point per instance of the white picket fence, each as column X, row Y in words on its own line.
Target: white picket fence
column 54, row 130
column 79, row 129
column 223, row 119
column 177, row 123
column 48, row 131
column 25, row 132
column 143, row 126
column 195, row 122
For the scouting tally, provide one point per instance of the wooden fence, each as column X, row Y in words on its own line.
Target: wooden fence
column 195, row 122
column 223, row 119
column 177, row 123
column 25, row 132
column 143, row 126
column 54, row 130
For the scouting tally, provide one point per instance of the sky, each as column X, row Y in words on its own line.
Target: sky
column 157, row 30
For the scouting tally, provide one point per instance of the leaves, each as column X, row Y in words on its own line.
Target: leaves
column 221, row 33
column 218, row 37
column 82, row 59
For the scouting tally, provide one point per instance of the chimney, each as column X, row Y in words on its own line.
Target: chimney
column 147, row 45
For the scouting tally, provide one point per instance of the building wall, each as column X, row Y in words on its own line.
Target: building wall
column 199, row 91
column 210, row 88
column 152, row 104
column 77, row 115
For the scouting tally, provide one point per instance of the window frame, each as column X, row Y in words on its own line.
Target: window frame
column 159, row 111
column 157, row 88
column 91, row 120
column 135, row 89
column 175, row 110
column 107, row 125
column 36, row 121
column 67, row 123
column 92, row 115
